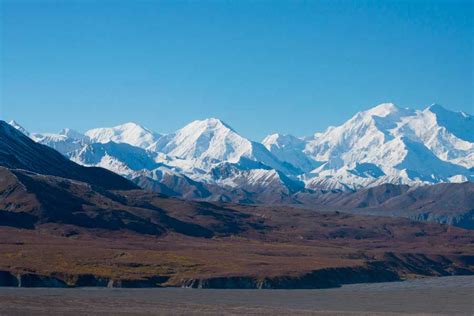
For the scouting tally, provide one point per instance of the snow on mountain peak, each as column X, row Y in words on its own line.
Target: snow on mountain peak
column 129, row 133
column 406, row 146
column 70, row 133
column 209, row 140
column 289, row 148
column 383, row 109
column 209, row 124
column 212, row 121
column 382, row 144
column 281, row 141
column 17, row 126
column 14, row 124
column 206, row 143
column 460, row 124
column 271, row 139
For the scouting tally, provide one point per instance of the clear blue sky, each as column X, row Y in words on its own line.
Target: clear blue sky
column 262, row 66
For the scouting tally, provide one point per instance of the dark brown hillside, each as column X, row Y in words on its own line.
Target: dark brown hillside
column 49, row 199
column 447, row 203
column 435, row 198
column 372, row 196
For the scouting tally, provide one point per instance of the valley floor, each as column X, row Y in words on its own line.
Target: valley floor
column 439, row 296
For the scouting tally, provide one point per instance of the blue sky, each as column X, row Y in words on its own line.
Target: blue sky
column 262, row 66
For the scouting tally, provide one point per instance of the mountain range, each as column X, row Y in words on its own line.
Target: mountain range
column 207, row 159
column 65, row 225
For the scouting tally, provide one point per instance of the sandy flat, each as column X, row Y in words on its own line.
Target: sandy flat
column 442, row 296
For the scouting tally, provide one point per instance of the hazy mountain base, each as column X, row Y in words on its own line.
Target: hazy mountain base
column 444, row 203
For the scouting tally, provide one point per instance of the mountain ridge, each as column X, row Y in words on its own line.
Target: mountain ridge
column 384, row 144
column 18, row 151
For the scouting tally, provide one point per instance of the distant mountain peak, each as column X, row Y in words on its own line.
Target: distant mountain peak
column 213, row 120
column 206, row 143
column 130, row 125
column 13, row 123
column 205, row 139
column 271, row 137
column 439, row 109
column 210, row 123
column 460, row 124
column 281, row 140
column 73, row 134
column 383, row 144
column 129, row 133
column 436, row 107
column 383, row 109
column 17, row 126
column 289, row 148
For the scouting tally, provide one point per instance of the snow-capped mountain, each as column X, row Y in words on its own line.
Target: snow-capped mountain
column 209, row 142
column 449, row 135
column 66, row 141
column 290, row 149
column 120, row 158
column 129, row 133
column 17, row 126
column 394, row 145
column 208, row 159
